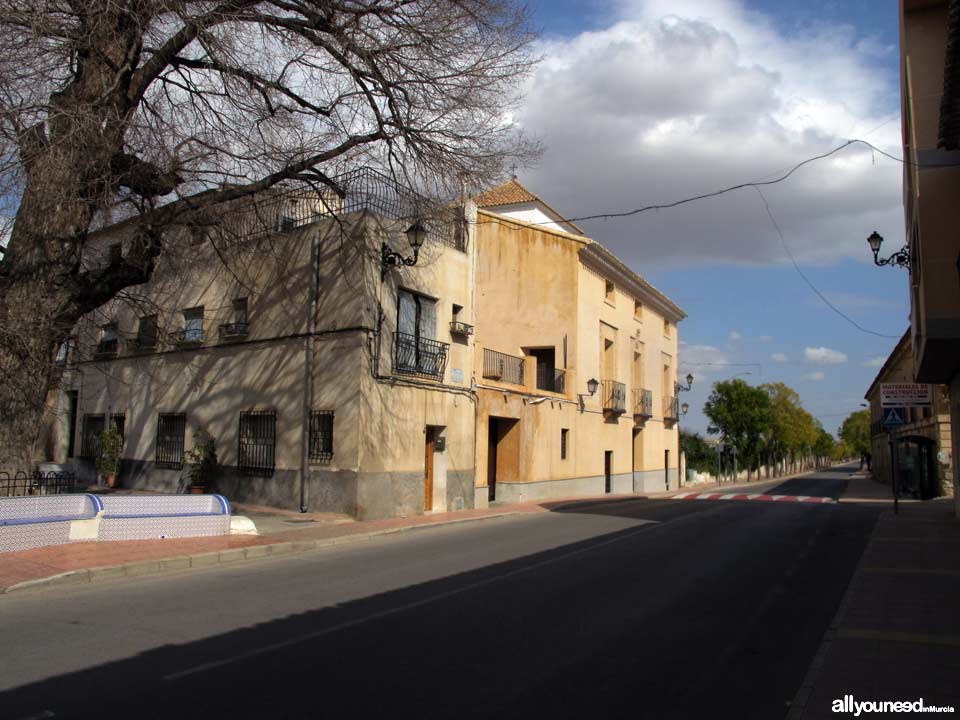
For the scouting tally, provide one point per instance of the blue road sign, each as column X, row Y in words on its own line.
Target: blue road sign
column 894, row 416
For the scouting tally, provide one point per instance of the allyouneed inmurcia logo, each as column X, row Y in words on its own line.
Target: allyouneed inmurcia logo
column 856, row 707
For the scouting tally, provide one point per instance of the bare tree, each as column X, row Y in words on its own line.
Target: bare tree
column 152, row 111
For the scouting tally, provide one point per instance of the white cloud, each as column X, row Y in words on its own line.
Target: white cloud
column 824, row 356
column 778, row 357
column 681, row 97
column 734, row 336
column 766, row 338
column 702, row 359
column 875, row 362
column 814, row 376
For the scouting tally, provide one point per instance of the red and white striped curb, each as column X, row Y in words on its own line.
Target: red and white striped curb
column 754, row 496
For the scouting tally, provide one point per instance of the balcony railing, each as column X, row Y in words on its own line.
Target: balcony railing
column 234, row 330
column 503, row 367
column 550, row 379
column 141, row 344
column 419, row 356
column 671, row 408
column 187, row 338
column 460, row 328
column 105, row 348
column 643, row 402
column 614, row 396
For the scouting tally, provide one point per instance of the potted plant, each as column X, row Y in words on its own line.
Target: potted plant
column 108, row 461
column 202, row 461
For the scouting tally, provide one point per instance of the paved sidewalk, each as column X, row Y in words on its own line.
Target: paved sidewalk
column 896, row 636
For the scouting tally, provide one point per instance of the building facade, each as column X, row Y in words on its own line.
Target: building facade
column 923, row 443
column 332, row 376
column 930, row 98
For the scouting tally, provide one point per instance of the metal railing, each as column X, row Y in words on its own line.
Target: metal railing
column 550, row 379
column 503, row 367
column 37, row 483
column 671, row 408
column 142, row 344
column 187, row 338
column 105, row 348
column 170, row 438
column 321, row 436
column 257, row 442
column 236, row 329
column 419, row 356
column 643, row 402
column 614, row 396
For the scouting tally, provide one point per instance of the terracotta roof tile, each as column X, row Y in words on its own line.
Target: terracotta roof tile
column 508, row 193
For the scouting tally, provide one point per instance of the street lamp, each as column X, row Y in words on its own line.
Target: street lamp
column 416, row 235
column 592, row 385
column 900, row 258
column 678, row 388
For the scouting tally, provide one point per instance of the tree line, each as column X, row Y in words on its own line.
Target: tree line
column 766, row 427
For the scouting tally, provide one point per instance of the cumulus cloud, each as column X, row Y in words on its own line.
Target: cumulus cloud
column 702, row 359
column 814, row 376
column 778, row 357
column 875, row 362
column 676, row 98
column 824, row 356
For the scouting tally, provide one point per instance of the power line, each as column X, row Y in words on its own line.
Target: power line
column 786, row 249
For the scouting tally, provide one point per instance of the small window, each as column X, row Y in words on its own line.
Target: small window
column 637, row 310
column 666, row 328
column 564, row 437
column 193, row 325
column 93, row 426
column 457, row 309
column 147, row 332
column 116, row 254
column 119, row 423
column 258, row 442
column 170, row 431
column 63, row 350
column 108, row 332
column 609, row 293
column 240, row 311
column 321, row 436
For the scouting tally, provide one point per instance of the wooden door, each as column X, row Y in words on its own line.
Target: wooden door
column 428, row 470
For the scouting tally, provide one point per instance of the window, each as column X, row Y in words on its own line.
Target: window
column 240, row 311
column 564, row 437
column 147, row 332
column 609, row 293
column 321, row 436
column 93, row 425
column 638, row 310
column 170, row 430
column 108, row 339
column 416, row 350
column 119, row 422
column 258, row 442
column 62, row 351
column 666, row 328
column 116, row 254
column 193, row 325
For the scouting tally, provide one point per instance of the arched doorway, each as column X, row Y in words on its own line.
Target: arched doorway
column 917, row 467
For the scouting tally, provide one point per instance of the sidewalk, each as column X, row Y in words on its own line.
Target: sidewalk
column 896, row 636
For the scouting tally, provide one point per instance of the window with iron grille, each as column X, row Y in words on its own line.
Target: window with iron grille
column 321, row 436
column 93, row 426
column 119, row 421
column 170, row 432
column 257, row 442
column 564, row 433
column 147, row 332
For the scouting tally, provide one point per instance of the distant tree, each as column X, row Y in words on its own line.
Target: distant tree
column 701, row 455
column 824, row 446
column 855, row 432
column 741, row 413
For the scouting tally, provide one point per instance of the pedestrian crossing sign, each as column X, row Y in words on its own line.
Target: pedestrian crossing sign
column 893, row 417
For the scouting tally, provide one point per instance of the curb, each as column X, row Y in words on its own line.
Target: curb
column 219, row 557
column 799, row 704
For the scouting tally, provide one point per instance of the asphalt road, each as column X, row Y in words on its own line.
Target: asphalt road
column 639, row 608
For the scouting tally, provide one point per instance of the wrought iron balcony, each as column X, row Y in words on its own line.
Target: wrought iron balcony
column 550, row 379
column 461, row 328
column 141, row 344
column 643, row 402
column 671, row 408
column 614, row 396
column 191, row 337
column 105, row 348
column 419, row 356
column 234, row 330
column 503, row 367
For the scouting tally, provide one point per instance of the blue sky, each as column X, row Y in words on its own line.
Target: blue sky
column 670, row 99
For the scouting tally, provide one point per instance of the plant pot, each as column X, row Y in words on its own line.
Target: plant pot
column 111, row 480
column 197, row 490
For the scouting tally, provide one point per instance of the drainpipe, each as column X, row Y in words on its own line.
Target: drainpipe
column 308, row 370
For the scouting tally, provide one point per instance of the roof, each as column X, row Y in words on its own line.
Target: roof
column 513, row 193
column 902, row 344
